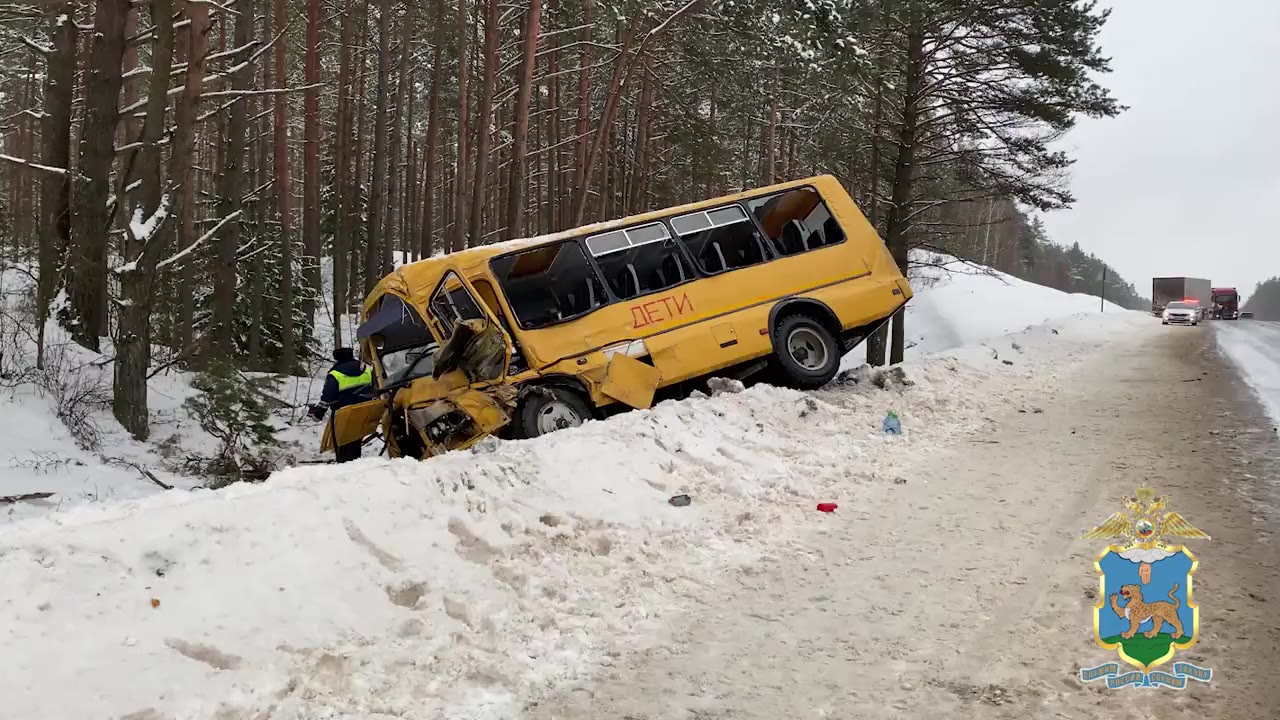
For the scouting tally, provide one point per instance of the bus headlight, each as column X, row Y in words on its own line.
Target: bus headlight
column 632, row 349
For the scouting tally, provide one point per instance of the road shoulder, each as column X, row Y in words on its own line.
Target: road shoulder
column 966, row 588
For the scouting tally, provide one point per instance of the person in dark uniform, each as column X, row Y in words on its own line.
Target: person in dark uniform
column 348, row 383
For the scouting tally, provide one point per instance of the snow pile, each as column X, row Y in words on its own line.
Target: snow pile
column 471, row 584
column 961, row 304
column 63, row 441
column 1255, row 349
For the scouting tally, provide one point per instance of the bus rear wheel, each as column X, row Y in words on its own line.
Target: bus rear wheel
column 808, row 355
column 547, row 409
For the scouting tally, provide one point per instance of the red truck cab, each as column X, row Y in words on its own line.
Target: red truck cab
column 1226, row 304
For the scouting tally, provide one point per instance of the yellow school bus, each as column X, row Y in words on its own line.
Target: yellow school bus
column 524, row 337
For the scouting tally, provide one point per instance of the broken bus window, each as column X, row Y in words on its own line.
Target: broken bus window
column 640, row 260
column 550, row 284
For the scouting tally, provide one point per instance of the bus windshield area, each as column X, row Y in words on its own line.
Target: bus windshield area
column 403, row 344
column 408, row 363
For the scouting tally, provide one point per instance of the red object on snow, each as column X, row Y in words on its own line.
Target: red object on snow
column 827, row 507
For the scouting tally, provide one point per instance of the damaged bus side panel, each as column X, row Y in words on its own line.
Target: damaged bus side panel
column 527, row 337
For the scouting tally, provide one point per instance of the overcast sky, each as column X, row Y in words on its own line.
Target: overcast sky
column 1187, row 181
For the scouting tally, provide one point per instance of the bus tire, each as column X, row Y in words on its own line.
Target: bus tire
column 548, row 408
column 808, row 355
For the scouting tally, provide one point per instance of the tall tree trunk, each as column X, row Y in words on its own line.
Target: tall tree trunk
column 519, row 144
column 130, row 130
column 581, row 177
column 55, row 190
column 133, row 339
column 770, row 154
column 904, row 172
column 555, row 182
column 409, row 208
column 497, row 188
column 231, row 194
column 357, row 255
column 259, row 310
column 182, row 160
column 532, row 217
column 713, row 136
column 284, row 210
column 376, row 257
column 342, row 173
column 426, row 238
column 26, row 202
column 877, row 343
column 311, row 168
column 483, row 133
column 97, row 154
column 392, row 231
column 621, row 69
column 638, row 201
column 458, row 237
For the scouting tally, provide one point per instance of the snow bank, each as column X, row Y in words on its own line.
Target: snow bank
column 99, row 461
column 471, row 584
column 962, row 304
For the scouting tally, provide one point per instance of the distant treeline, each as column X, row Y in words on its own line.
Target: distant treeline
column 1264, row 301
column 999, row 234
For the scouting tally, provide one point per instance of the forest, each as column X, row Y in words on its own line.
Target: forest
column 195, row 182
column 1264, row 301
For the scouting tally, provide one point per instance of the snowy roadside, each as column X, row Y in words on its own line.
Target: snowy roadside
column 474, row 583
column 1254, row 347
column 960, row 304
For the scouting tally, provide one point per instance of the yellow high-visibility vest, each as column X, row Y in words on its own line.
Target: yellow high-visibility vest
column 347, row 382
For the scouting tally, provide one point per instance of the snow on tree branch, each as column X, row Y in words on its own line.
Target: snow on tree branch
column 187, row 251
column 33, row 166
column 142, row 231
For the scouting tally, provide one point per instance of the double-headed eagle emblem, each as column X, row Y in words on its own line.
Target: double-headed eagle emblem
column 1144, row 522
column 1142, row 528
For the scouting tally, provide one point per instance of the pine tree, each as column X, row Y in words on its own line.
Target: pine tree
column 235, row 409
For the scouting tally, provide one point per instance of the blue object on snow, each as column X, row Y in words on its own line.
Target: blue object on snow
column 892, row 424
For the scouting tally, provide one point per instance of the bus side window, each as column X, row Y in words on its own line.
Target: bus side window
column 639, row 260
column 796, row 221
column 550, row 284
column 720, row 239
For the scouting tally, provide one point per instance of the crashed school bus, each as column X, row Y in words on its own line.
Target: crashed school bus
column 529, row 336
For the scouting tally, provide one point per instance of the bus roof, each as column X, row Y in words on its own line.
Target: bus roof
column 416, row 280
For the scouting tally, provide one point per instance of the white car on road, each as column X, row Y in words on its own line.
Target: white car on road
column 1181, row 312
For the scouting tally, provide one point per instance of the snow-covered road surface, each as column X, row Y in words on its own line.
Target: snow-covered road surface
column 1254, row 347
column 968, row 593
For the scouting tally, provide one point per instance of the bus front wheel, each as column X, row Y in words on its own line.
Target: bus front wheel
column 808, row 355
column 547, row 409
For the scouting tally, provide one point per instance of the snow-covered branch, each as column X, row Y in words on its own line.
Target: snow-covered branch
column 187, row 251
column 42, row 49
column 268, row 91
column 33, row 166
